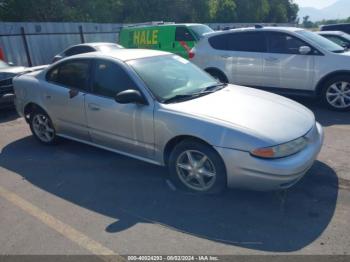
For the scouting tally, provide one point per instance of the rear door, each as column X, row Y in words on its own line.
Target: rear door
column 64, row 97
column 246, row 49
column 284, row 67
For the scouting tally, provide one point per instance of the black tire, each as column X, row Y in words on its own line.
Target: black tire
column 44, row 116
column 327, row 88
column 214, row 162
column 218, row 75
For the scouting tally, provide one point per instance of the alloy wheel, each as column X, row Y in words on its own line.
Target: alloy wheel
column 338, row 95
column 196, row 170
column 42, row 128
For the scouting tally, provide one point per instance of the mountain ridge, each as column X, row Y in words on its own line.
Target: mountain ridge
column 338, row 10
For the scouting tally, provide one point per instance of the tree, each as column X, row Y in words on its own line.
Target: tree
column 307, row 23
column 131, row 11
column 252, row 11
column 223, row 11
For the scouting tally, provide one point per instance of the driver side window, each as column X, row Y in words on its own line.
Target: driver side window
column 281, row 43
column 110, row 79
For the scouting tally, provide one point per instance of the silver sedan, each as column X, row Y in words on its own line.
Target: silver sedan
column 160, row 108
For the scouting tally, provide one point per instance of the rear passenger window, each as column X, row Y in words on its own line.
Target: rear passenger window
column 110, row 79
column 52, row 76
column 73, row 74
column 241, row 42
column 284, row 44
column 219, row 42
column 183, row 34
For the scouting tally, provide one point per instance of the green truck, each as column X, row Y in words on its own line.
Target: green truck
column 170, row 37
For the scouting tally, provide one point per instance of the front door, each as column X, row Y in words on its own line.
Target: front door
column 64, row 97
column 283, row 65
column 127, row 128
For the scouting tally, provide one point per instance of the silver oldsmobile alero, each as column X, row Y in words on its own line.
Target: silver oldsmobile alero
column 160, row 108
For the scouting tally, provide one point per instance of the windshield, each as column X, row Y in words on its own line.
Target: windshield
column 321, row 41
column 3, row 64
column 200, row 30
column 172, row 76
column 346, row 36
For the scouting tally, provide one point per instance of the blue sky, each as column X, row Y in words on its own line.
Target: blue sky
column 315, row 3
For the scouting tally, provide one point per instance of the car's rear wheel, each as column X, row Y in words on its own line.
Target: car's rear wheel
column 336, row 93
column 42, row 127
column 197, row 167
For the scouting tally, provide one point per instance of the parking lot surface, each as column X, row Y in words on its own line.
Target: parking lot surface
column 76, row 199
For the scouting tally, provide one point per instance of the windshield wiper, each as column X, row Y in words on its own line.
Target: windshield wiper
column 214, row 88
column 206, row 91
column 179, row 98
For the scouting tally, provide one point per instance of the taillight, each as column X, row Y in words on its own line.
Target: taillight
column 191, row 54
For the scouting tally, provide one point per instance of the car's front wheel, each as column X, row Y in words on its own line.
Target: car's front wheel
column 42, row 127
column 336, row 93
column 197, row 167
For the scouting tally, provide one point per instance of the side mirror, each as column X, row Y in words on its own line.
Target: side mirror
column 130, row 96
column 304, row 50
column 10, row 63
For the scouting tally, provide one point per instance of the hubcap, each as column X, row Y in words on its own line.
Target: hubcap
column 196, row 170
column 42, row 128
column 338, row 95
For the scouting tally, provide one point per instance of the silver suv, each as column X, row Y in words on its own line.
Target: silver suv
column 284, row 60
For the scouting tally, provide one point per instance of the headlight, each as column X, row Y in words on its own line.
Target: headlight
column 282, row 150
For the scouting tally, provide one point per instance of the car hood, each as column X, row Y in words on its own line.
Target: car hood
column 13, row 69
column 266, row 116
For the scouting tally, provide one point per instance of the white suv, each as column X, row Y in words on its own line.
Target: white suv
column 284, row 60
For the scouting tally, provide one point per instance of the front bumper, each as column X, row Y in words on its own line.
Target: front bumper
column 246, row 171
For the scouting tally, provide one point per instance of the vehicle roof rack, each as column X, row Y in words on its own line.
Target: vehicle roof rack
column 150, row 23
column 259, row 26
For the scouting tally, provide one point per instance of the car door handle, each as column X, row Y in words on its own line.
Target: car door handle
column 271, row 59
column 225, row 56
column 93, row 107
column 48, row 97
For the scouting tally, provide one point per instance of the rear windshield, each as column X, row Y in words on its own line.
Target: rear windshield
column 200, row 30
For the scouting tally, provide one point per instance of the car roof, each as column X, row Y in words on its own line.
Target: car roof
column 334, row 25
column 253, row 29
column 123, row 54
column 94, row 44
column 330, row 33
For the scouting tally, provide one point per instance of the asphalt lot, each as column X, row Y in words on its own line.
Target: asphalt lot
column 76, row 199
